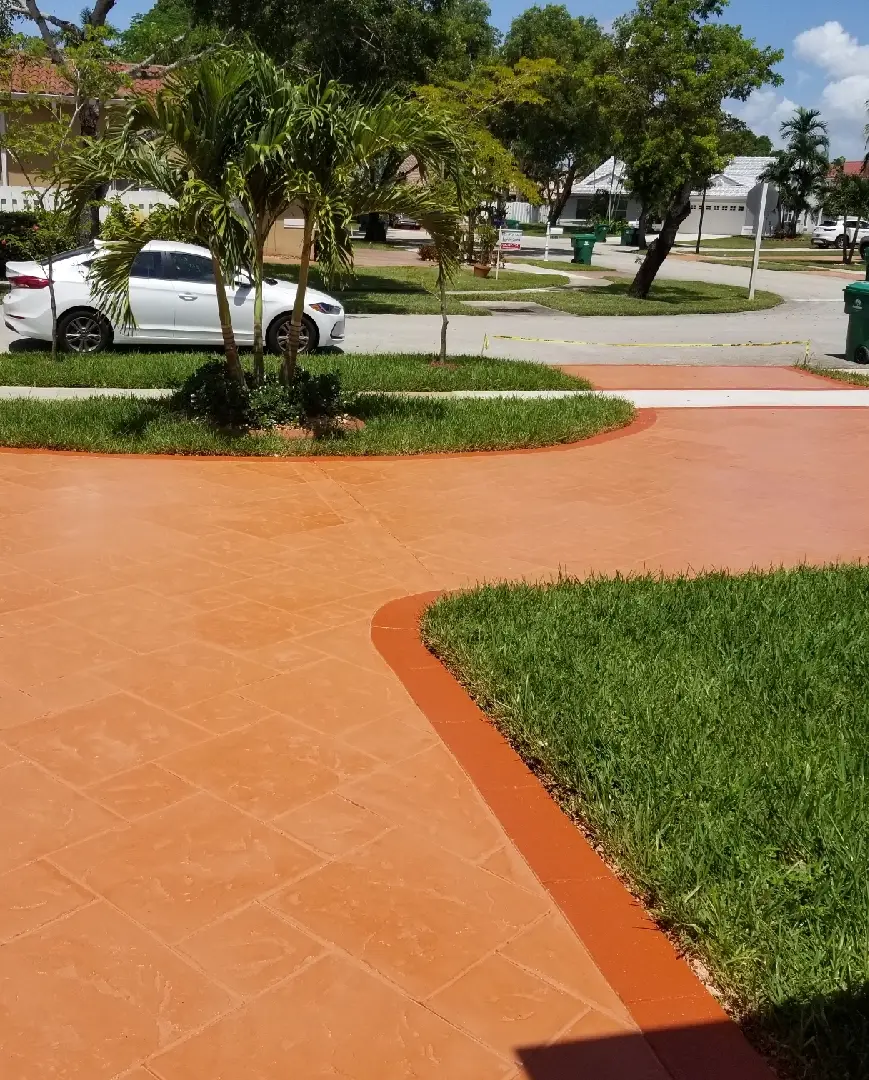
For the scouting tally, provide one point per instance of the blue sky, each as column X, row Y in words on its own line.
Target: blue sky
column 826, row 64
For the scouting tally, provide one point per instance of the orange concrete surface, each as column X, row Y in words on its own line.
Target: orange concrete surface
column 688, row 377
column 231, row 846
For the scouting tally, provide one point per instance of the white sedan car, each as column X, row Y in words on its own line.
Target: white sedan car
column 173, row 299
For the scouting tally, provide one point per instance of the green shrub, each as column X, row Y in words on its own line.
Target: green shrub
column 210, row 393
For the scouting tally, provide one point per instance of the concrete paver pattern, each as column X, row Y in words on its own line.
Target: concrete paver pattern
column 231, row 846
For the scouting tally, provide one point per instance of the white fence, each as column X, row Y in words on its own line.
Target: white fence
column 525, row 213
column 21, row 198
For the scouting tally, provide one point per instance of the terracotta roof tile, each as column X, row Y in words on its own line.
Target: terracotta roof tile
column 37, row 76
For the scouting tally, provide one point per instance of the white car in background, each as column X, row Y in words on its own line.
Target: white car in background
column 173, row 298
column 831, row 232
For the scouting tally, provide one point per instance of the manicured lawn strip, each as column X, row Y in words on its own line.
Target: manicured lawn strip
column 128, row 369
column 855, row 378
column 767, row 244
column 565, row 267
column 665, row 298
column 797, row 264
column 393, row 426
column 407, row 290
column 713, row 735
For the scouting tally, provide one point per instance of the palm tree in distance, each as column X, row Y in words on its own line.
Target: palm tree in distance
column 799, row 172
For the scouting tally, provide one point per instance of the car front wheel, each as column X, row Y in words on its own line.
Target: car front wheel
column 279, row 333
column 83, row 332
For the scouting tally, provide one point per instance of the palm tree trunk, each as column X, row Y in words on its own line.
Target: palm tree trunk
column 288, row 368
column 259, row 367
column 230, row 348
column 445, row 322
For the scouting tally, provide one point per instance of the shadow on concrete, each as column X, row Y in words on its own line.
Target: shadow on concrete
column 823, row 1038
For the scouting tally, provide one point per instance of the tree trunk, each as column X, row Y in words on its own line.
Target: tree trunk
column 700, row 226
column 375, row 229
column 288, row 367
column 259, row 366
column 556, row 209
column 472, row 224
column 89, row 126
column 53, row 301
column 678, row 210
column 230, row 349
column 445, row 322
column 641, row 229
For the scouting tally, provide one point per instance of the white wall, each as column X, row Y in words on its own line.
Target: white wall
column 20, row 198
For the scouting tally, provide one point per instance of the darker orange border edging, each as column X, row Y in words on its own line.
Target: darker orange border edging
column 643, row 419
column 658, row 986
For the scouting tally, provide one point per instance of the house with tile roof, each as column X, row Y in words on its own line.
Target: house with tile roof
column 732, row 198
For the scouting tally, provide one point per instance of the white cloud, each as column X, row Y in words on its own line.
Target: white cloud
column 845, row 97
column 764, row 112
column 832, row 48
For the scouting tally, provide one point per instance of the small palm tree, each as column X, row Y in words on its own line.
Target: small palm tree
column 331, row 137
column 182, row 141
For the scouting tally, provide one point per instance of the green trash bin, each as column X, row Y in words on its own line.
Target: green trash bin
column 600, row 233
column 630, row 237
column 583, row 246
column 857, row 310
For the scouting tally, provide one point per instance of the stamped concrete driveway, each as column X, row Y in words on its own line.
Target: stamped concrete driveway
column 232, row 847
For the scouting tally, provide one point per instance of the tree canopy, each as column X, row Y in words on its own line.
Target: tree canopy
column 566, row 130
column 363, row 43
column 676, row 64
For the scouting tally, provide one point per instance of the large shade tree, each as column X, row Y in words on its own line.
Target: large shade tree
column 675, row 66
column 366, row 44
column 566, row 130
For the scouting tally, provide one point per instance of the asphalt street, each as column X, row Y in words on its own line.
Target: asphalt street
column 812, row 312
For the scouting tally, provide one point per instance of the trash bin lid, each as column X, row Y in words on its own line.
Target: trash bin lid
column 584, row 236
column 858, row 288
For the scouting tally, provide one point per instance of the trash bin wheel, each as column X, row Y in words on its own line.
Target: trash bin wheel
column 861, row 355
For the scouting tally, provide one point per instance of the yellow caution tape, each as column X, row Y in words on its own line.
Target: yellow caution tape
column 650, row 344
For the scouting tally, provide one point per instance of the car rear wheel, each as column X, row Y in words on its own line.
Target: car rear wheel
column 83, row 332
column 279, row 332
column 840, row 242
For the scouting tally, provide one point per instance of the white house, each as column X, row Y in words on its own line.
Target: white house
column 732, row 198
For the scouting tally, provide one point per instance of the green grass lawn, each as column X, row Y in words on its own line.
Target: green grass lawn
column 713, row 734
column 665, row 298
column 559, row 264
column 127, row 369
column 394, row 425
column 406, row 290
column 854, row 377
column 767, row 244
column 801, row 265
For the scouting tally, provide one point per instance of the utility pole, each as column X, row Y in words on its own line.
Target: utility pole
column 758, row 236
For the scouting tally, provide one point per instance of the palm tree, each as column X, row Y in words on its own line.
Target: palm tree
column 800, row 170
column 182, row 141
column 330, row 138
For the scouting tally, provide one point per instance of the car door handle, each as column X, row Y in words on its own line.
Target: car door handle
column 186, row 296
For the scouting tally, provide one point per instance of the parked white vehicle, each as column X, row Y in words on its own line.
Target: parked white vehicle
column 831, row 232
column 173, row 298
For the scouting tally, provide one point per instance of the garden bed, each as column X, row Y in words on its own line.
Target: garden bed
column 666, row 297
column 393, row 425
column 133, row 369
column 712, row 735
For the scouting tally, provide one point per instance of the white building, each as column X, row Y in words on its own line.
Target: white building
column 732, row 198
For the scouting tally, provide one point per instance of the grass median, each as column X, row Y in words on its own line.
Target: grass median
column 130, row 369
column 409, row 290
column 393, row 425
column 713, row 735
column 665, row 298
